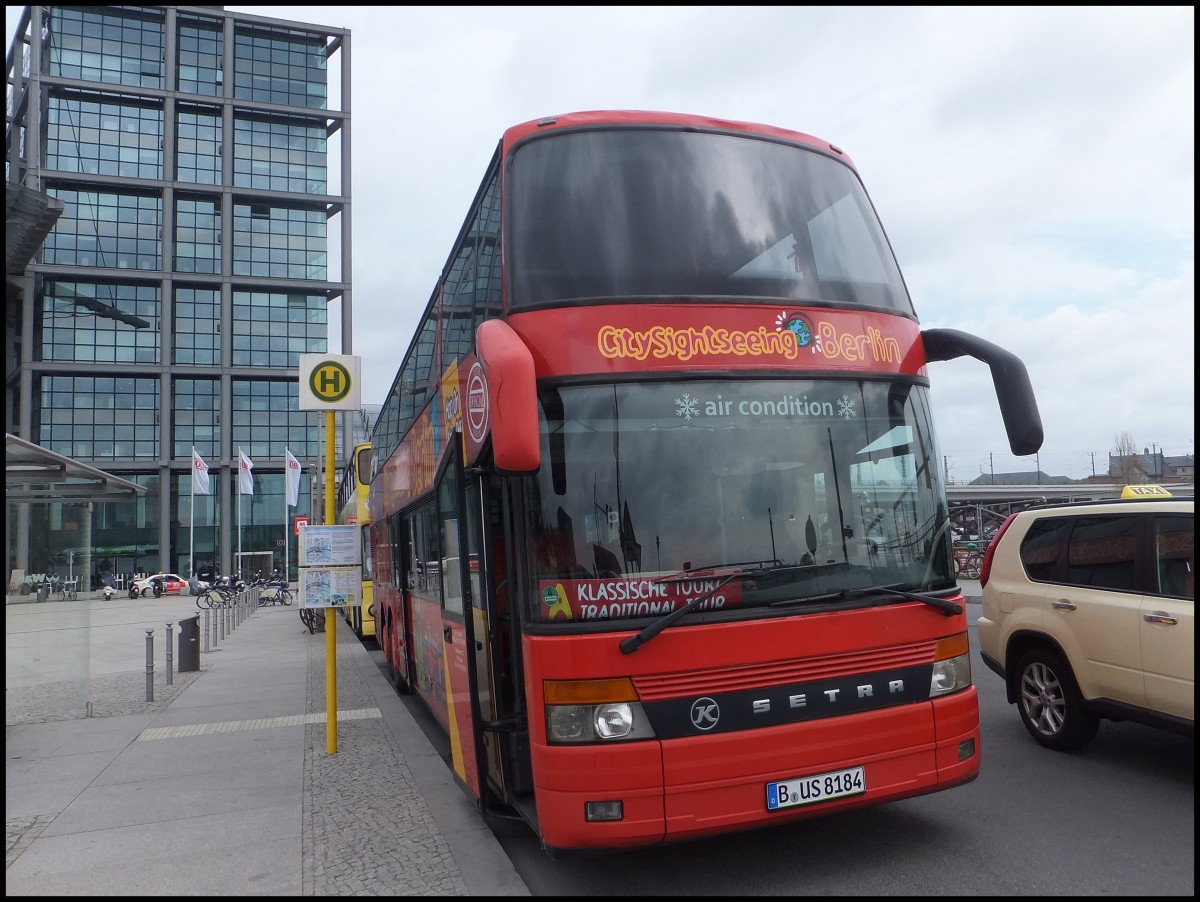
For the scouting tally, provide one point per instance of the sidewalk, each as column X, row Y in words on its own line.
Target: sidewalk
column 222, row 785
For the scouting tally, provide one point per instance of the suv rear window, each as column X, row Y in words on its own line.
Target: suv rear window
column 1042, row 546
column 1102, row 553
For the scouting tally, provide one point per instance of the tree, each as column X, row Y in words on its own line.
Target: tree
column 1125, row 462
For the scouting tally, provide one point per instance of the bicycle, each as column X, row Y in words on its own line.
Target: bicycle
column 275, row 594
column 69, row 590
column 968, row 562
column 216, row 597
column 314, row 619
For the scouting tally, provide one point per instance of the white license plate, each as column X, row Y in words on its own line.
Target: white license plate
column 836, row 784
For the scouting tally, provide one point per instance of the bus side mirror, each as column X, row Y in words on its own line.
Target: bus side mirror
column 1018, row 406
column 511, row 397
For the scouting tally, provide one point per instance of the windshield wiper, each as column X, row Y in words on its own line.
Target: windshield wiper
column 739, row 568
column 942, row 604
column 631, row 644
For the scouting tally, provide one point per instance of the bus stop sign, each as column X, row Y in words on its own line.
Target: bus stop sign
column 329, row 382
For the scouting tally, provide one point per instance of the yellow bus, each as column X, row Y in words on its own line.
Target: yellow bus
column 352, row 511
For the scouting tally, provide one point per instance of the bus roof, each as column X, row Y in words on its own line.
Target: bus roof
column 647, row 117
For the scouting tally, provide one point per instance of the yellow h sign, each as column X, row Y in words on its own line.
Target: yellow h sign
column 329, row 382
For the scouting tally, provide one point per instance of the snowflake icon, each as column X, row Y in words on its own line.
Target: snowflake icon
column 687, row 407
column 845, row 408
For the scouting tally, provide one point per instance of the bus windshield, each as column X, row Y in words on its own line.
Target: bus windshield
column 656, row 213
column 814, row 487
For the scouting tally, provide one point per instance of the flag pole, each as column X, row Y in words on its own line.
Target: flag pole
column 237, row 566
column 286, row 480
column 192, row 508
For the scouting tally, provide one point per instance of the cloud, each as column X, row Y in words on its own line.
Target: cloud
column 1032, row 166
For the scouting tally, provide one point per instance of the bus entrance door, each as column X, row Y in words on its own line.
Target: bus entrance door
column 499, row 700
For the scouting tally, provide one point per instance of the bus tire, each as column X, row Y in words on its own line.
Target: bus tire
column 403, row 687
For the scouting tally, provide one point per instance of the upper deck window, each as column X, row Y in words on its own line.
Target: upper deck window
column 674, row 215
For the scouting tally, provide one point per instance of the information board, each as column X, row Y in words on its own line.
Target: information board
column 330, row 546
column 330, row 587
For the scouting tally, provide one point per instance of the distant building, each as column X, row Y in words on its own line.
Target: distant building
column 191, row 155
column 364, row 422
column 1029, row 477
column 1151, row 466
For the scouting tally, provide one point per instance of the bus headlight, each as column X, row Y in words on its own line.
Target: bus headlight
column 567, row 723
column 579, row 711
column 950, row 675
column 615, row 721
column 951, row 666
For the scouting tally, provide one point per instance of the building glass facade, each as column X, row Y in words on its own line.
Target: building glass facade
column 197, row 156
column 105, row 229
column 198, row 147
column 87, row 133
column 64, row 336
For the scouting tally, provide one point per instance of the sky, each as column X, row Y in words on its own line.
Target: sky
column 1033, row 167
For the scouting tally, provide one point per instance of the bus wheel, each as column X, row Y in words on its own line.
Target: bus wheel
column 402, row 685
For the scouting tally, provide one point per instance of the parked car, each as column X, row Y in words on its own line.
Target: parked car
column 173, row 584
column 1088, row 615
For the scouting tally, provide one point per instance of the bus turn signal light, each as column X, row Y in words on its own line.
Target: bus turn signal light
column 588, row 692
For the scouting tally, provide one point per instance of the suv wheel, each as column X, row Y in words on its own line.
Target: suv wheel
column 1049, row 702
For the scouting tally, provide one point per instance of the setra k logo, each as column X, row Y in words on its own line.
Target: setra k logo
column 705, row 713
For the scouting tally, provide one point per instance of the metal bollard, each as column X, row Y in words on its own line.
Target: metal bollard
column 149, row 665
column 221, row 621
column 206, row 648
column 170, row 659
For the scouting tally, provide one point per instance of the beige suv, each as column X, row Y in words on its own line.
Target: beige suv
column 1087, row 614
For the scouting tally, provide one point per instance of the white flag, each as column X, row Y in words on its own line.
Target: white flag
column 199, row 474
column 293, row 478
column 245, row 477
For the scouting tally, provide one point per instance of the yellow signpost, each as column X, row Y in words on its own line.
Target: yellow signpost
column 330, row 618
column 329, row 382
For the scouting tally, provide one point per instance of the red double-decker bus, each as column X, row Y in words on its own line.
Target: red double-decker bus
column 661, row 536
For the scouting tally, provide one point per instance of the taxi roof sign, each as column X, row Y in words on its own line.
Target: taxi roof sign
column 1144, row 491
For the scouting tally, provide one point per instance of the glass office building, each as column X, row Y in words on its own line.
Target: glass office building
column 203, row 245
